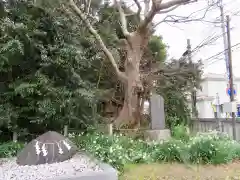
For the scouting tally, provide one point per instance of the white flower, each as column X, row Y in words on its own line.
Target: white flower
column 44, row 150
column 38, row 150
column 67, row 145
column 71, row 135
column 111, row 149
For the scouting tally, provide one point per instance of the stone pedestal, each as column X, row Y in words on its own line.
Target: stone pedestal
column 157, row 135
column 108, row 173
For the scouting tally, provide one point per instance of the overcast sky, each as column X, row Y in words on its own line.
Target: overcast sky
column 176, row 35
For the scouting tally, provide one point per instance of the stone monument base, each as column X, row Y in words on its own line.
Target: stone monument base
column 108, row 173
column 157, row 135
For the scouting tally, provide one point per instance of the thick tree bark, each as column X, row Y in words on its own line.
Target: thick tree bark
column 130, row 113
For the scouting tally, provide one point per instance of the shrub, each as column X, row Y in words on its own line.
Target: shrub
column 180, row 132
column 212, row 148
column 119, row 150
column 116, row 150
column 10, row 149
column 173, row 150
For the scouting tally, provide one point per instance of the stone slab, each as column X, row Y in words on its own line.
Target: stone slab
column 157, row 135
column 157, row 112
column 50, row 147
column 108, row 173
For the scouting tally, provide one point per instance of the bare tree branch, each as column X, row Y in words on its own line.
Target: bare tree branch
column 147, row 7
column 156, row 2
column 139, row 8
column 164, row 20
column 109, row 55
column 157, row 7
column 122, row 18
column 169, row 9
column 170, row 4
column 185, row 19
column 182, row 19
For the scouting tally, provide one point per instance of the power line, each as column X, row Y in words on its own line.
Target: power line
column 217, row 60
column 213, row 39
column 209, row 39
column 219, row 53
column 214, row 61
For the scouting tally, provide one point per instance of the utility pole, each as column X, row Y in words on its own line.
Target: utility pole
column 225, row 44
column 231, row 76
column 193, row 92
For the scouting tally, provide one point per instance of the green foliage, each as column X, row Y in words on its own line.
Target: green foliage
column 212, row 148
column 157, row 48
column 179, row 79
column 115, row 150
column 176, row 107
column 52, row 72
column 180, row 132
column 10, row 149
column 118, row 150
column 169, row 151
column 44, row 83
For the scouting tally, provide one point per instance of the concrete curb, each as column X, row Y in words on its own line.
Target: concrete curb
column 108, row 173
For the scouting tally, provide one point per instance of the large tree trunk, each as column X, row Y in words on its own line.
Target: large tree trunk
column 127, row 115
column 130, row 113
column 137, row 42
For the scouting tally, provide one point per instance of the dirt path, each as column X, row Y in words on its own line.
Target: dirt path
column 182, row 172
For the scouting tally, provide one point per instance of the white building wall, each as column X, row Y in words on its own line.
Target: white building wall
column 211, row 85
column 204, row 90
column 209, row 113
column 219, row 87
column 200, row 108
column 205, row 109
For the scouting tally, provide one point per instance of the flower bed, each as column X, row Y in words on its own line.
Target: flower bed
column 118, row 150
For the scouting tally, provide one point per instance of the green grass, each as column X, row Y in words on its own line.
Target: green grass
column 181, row 172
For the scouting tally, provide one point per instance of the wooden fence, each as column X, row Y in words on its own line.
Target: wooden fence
column 207, row 124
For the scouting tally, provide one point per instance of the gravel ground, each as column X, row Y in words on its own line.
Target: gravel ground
column 9, row 170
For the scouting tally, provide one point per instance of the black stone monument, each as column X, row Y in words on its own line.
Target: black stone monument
column 51, row 147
